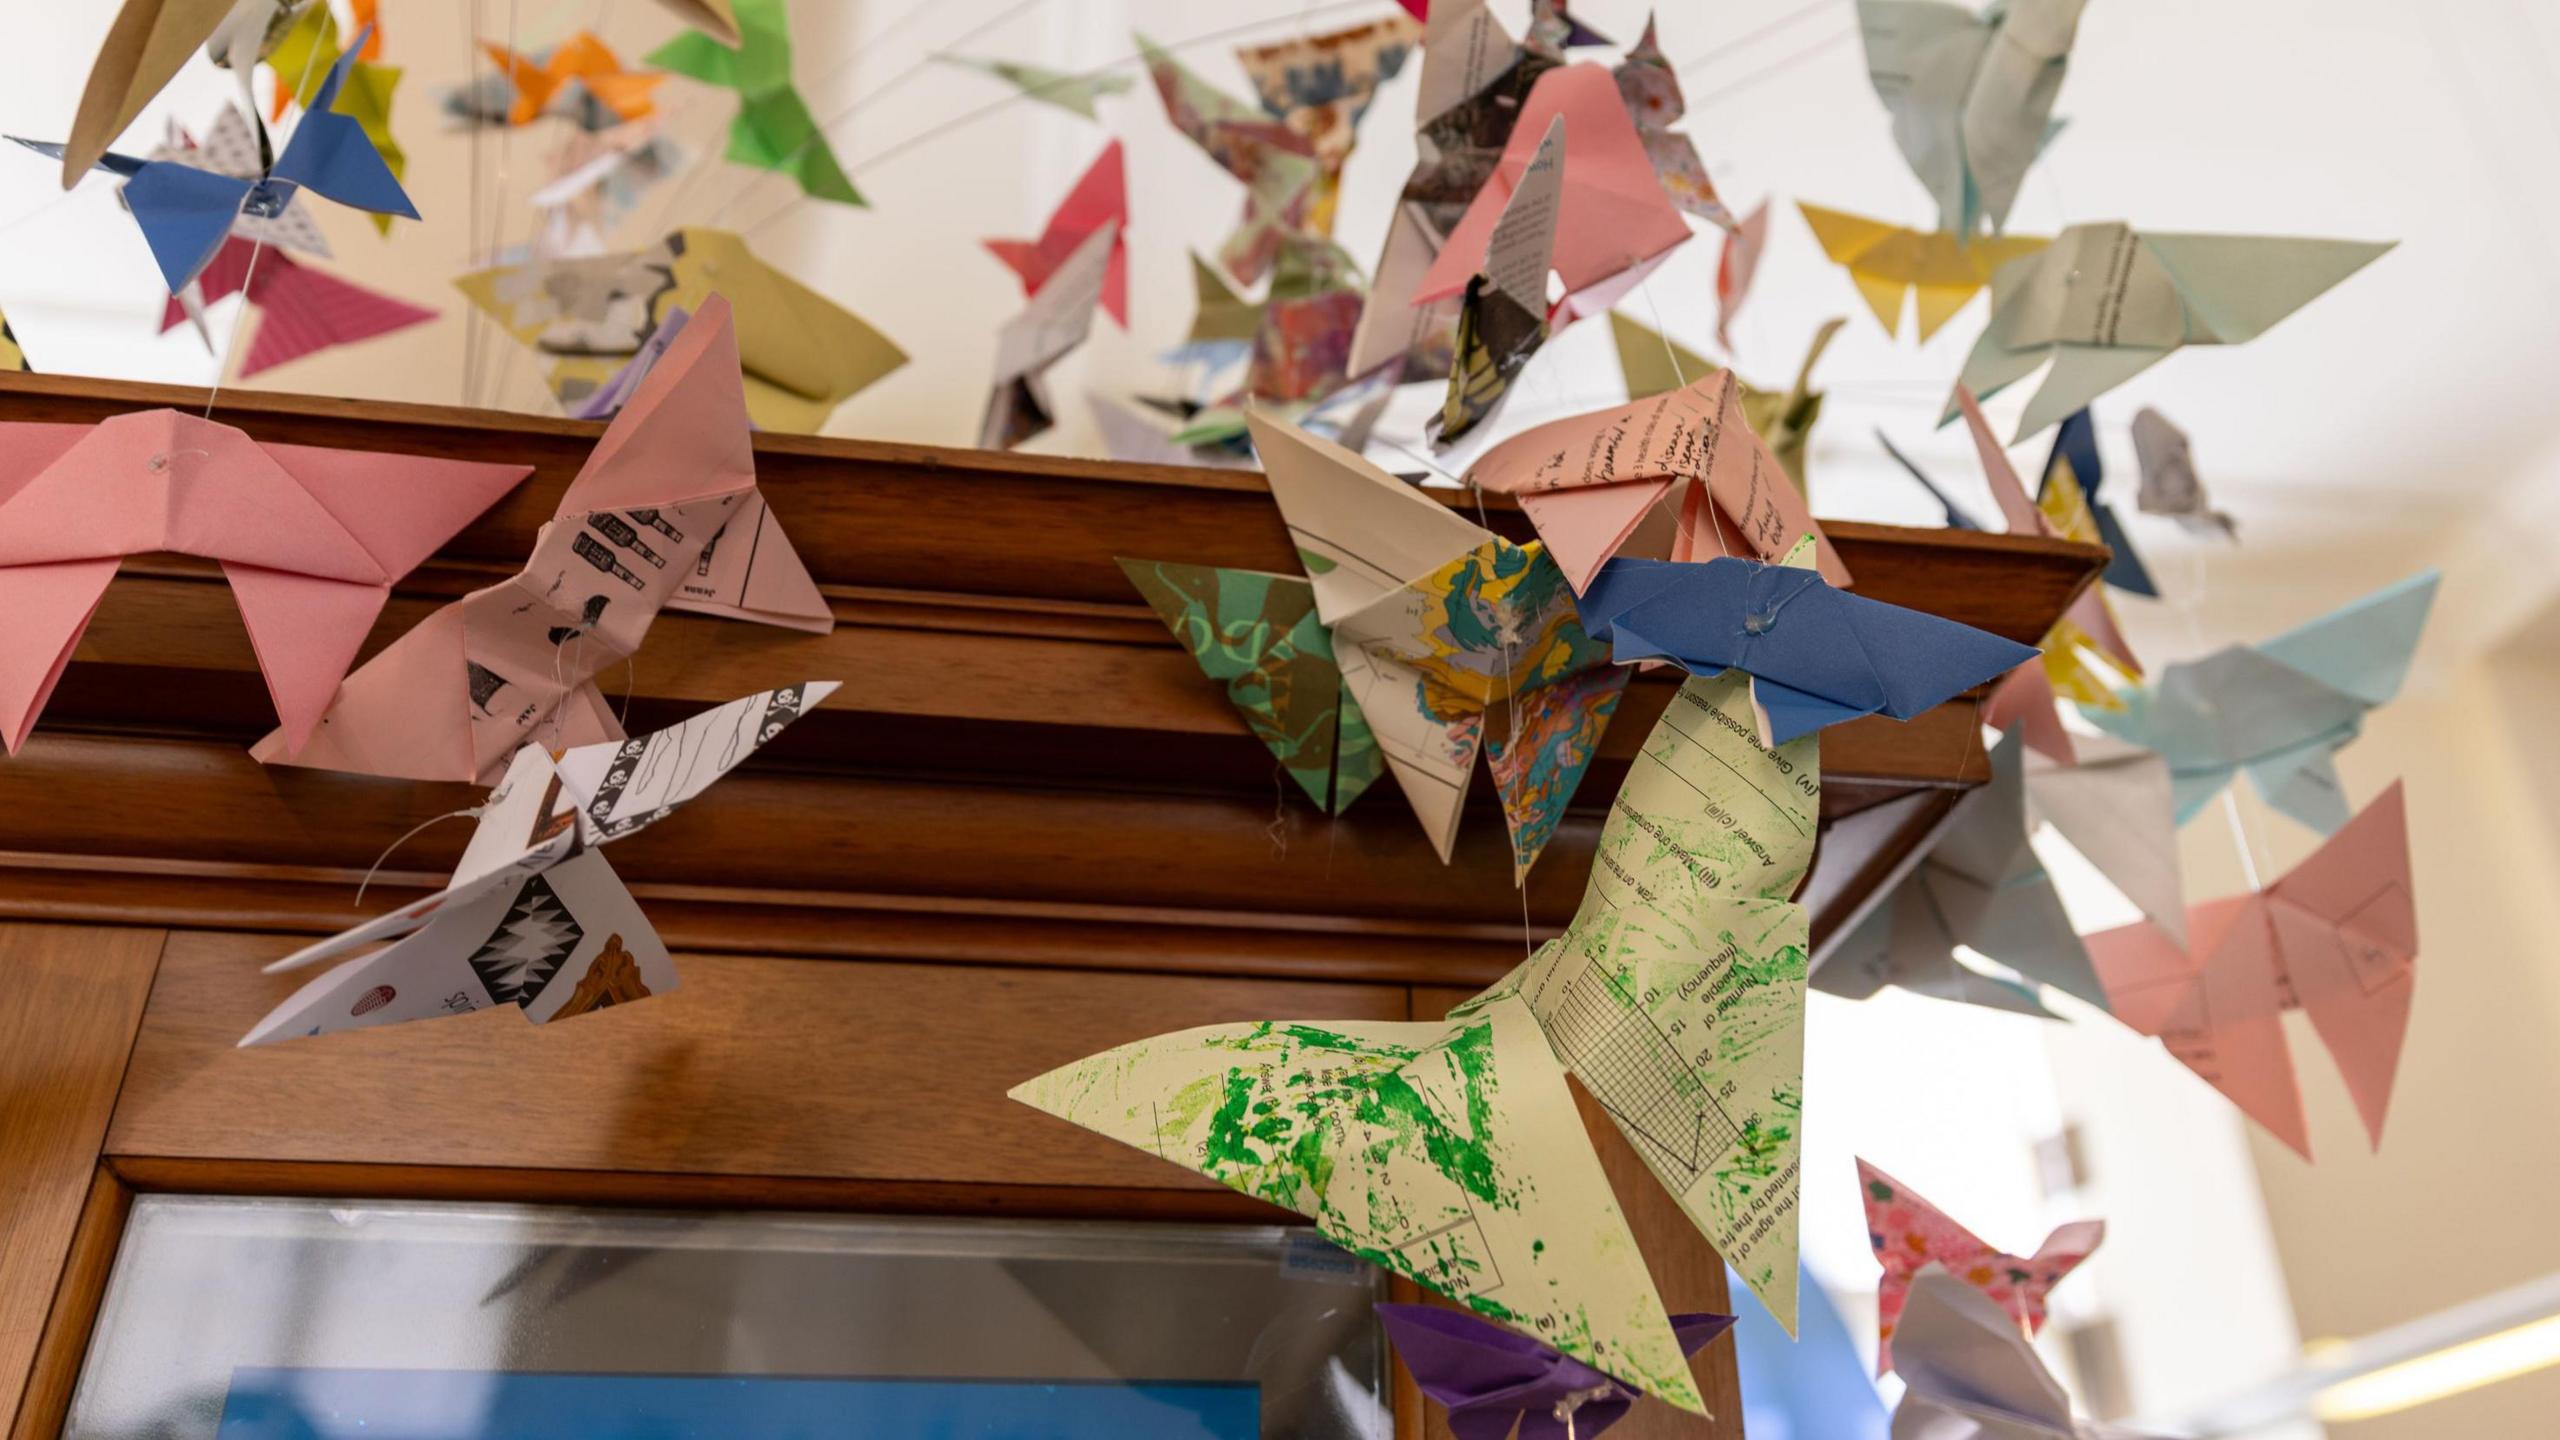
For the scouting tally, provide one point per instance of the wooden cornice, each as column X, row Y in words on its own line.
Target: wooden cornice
column 1021, row 765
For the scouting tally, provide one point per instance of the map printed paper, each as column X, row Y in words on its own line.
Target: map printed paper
column 1444, row 631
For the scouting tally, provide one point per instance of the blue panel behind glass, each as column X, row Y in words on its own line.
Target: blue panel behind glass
column 1813, row 1387
column 300, row 1404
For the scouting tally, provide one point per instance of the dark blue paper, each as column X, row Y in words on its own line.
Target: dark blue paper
column 1956, row 518
column 1816, row 655
column 2077, row 442
column 185, row 212
column 331, row 155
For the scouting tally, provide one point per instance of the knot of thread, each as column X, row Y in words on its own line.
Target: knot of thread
column 1758, row 622
column 1574, row 1400
column 469, row 812
column 160, row 462
column 266, row 201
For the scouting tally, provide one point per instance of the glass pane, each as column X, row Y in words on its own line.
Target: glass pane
column 247, row 1319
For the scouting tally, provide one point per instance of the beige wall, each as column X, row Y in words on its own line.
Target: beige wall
column 2458, row 1203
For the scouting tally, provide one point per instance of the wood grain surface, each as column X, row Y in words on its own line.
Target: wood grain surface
column 928, row 519
column 76, row 1297
column 756, row 1067
column 1225, row 858
column 70, row 1000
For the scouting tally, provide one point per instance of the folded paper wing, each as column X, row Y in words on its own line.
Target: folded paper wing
column 1736, row 266
column 2152, row 294
column 2073, row 473
column 1676, row 996
column 1056, row 321
column 2116, row 804
column 534, row 916
column 1099, row 199
column 145, row 47
column 1448, row 1152
column 1442, row 628
column 1891, row 264
column 804, row 355
column 1957, row 518
column 1906, row 942
column 1908, row 1233
column 2346, row 929
column 1259, row 633
column 310, row 540
column 1979, row 885
column 456, row 696
column 1613, row 214
column 1971, row 95
column 1677, row 476
column 1503, row 317
column 751, row 572
column 1071, row 91
column 2336, row 937
column 301, row 311
column 774, row 128
column 1970, row 1374
column 716, row 18
column 1816, row 655
column 2279, row 710
column 329, row 152
column 1497, row 1383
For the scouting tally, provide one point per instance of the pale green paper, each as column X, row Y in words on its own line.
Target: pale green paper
column 2105, row 302
column 1677, row 995
column 1971, row 94
column 773, row 129
column 1068, row 91
column 1447, row 1151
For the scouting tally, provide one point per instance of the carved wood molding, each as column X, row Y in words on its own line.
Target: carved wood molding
column 1022, row 764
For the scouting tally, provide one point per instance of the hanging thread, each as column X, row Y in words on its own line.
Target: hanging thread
column 257, row 243
column 468, row 812
column 971, row 117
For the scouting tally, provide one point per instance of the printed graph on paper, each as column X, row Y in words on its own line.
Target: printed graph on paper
column 1657, row 1097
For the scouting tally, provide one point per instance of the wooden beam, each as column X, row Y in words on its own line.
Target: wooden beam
column 1225, row 860
column 166, row 654
column 928, row 519
column 754, row 1067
